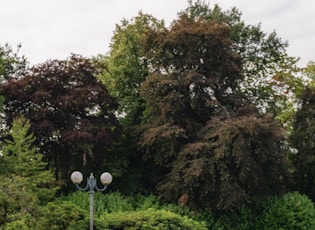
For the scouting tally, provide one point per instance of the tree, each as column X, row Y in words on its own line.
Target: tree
column 12, row 64
column 271, row 76
column 126, row 67
column 21, row 159
column 302, row 139
column 25, row 180
column 71, row 113
column 206, row 139
column 124, row 70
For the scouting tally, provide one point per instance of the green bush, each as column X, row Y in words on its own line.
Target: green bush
column 27, row 222
column 114, row 211
column 293, row 211
column 109, row 202
column 242, row 218
column 115, row 202
column 150, row 219
column 141, row 202
column 64, row 215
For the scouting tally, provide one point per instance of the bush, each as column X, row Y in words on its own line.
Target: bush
column 109, row 202
column 242, row 218
column 64, row 216
column 150, row 219
column 293, row 211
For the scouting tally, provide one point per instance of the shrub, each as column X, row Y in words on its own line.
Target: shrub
column 150, row 219
column 65, row 215
column 109, row 202
column 293, row 211
column 242, row 218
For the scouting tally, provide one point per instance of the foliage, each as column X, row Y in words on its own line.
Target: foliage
column 25, row 182
column 124, row 70
column 292, row 211
column 12, row 65
column 64, row 216
column 112, row 202
column 302, row 139
column 204, row 136
column 71, row 113
column 15, row 200
column 252, row 66
column 150, row 219
column 235, row 161
column 271, row 75
column 21, row 159
column 126, row 67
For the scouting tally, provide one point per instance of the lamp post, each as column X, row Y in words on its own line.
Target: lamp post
column 77, row 177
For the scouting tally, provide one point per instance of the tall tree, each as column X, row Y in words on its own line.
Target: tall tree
column 126, row 67
column 124, row 70
column 206, row 139
column 71, row 113
column 302, row 138
column 271, row 76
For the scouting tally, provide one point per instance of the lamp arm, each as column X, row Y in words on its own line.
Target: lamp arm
column 82, row 189
column 101, row 189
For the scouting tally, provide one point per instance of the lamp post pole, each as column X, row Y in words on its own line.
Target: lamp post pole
column 77, row 177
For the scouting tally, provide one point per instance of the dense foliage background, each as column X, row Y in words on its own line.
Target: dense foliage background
column 204, row 124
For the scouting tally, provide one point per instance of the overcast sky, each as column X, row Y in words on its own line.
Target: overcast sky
column 53, row 29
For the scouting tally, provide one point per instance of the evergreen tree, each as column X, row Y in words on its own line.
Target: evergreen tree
column 20, row 159
column 25, row 181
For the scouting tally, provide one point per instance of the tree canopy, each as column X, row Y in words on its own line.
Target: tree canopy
column 205, row 136
column 71, row 113
column 198, row 112
column 126, row 67
column 270, row 74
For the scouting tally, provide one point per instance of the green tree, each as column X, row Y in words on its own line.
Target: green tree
column 126, row 67
column 12, row 64
column 302, row 139
column 71, row 114
column 25, row 180
column 124, row 70
column 20, row 158
column 206, row 139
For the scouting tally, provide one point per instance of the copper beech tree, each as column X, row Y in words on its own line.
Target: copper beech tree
column 71, row 113
column 205, row 138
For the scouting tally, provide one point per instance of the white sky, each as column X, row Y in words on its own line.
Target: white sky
column 53, row 29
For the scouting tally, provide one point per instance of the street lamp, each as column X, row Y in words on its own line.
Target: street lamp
column 77, row 177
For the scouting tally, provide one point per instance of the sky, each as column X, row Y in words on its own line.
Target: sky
column 54, row 29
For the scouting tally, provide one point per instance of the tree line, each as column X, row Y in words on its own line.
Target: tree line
column 209, row 109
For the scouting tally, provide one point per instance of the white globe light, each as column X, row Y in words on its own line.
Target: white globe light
column 106, row 178
column 76, row 177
